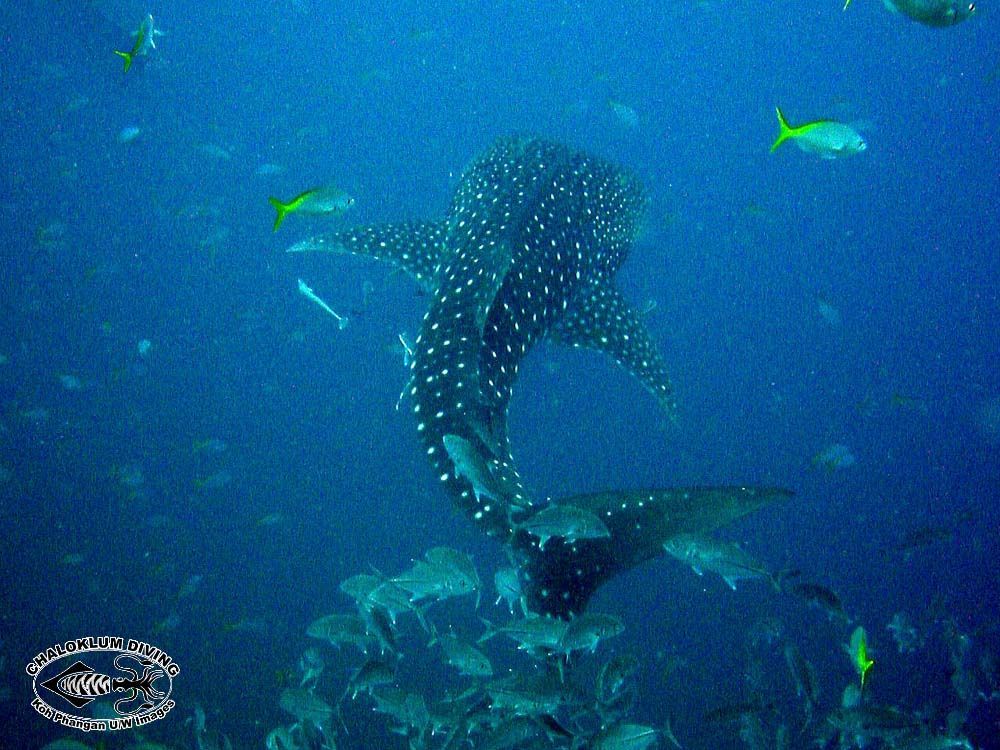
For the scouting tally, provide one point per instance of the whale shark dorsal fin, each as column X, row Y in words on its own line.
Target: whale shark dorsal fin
column 601, row 319
column 413, row 246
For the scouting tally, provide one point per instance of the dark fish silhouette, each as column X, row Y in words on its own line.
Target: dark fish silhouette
column 528, row 250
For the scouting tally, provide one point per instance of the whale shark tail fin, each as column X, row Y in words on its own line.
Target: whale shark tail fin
column 560, row 577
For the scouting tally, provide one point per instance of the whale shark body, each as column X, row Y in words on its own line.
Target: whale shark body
column 527, row 250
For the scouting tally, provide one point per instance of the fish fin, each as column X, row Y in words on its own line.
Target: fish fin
column 601, row 319
column 414, row 246
column 406, row 389
column 491, row 631
column 482, row 422
column 730, row 582
column 785, row 132
column 282, row 208
column 523, row 601
column 418, row 611
column 668, row 732
column 127, row 57
column 560, row 579
column 778, row 579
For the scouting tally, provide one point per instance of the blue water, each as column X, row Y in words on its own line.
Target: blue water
column 167, row 238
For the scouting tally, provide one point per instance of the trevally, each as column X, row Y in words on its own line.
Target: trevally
column 724, row 558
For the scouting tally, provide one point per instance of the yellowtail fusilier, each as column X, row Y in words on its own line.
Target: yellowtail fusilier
column 321, row 201
column 828, row 139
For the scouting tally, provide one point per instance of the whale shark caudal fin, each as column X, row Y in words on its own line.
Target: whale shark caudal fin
column 560, row 579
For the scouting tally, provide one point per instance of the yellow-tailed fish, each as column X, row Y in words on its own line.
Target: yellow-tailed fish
column 314, row 202
column 858, row 651
column 825, row 138
column 145, row 40
column 140, row 37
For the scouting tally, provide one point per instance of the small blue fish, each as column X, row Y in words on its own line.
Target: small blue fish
column 836, row 456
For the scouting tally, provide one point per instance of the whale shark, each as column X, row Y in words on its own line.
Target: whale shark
column 528, row 250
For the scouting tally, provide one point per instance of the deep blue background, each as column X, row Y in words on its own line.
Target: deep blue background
column 105, row 244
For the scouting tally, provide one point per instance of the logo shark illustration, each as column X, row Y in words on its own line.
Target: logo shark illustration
column 528, row 249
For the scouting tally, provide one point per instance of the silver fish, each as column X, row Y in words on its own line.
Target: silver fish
column 337, row 629
column 508, row 585
column 724, row 558
column 467, row 659
column 464, row 577
column 566, row 522
column 305, row 706
column 624, row 736
column 471, row 465
column 532, row 633
column 585, row 631
column 373, row 672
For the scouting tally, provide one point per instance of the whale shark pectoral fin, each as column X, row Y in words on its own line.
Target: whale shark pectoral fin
column 414, row 246
column 601, row 319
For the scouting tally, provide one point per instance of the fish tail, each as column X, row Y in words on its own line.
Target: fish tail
column 283, row 210
column 491, row 632
column 779, row 578
column 127, row 57
column 774, row 580
column 785, row 133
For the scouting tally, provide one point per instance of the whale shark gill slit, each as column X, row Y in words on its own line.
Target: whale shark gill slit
column 528, row 249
